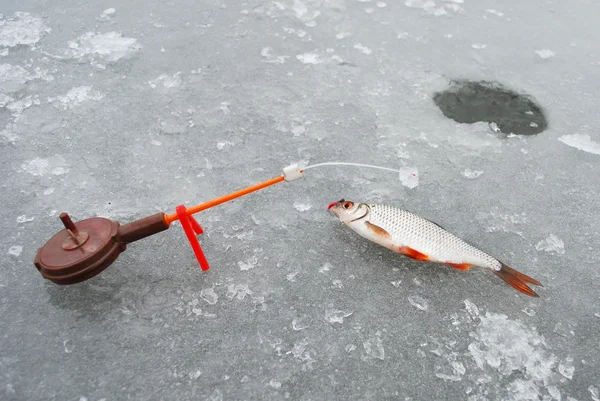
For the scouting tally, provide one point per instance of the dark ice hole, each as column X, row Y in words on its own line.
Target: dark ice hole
column 470, row 102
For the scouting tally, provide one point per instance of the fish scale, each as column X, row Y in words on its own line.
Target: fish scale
column 410, row 230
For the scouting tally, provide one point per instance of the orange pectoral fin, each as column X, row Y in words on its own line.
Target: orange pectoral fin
column 377, row 230
column 413, row 253
column 460, row 266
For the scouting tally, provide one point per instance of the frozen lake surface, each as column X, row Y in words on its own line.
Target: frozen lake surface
column 123, row 110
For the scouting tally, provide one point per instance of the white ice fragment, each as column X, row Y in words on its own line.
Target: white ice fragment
column 111, row 46
column 418, row 302
column 302, row 207
column 554, row 392
column 239, row 290
column 458, row 371
column 494, row 12
column 472, row 174
column 298, row 349
column 67, row 346
column 76, row 96
column 333, row 315
column 374, row 347
column 298, row 130
column 396, row 283
column 545, row 53
column 529, row 311
column 594, row 393
column 15, row 250
column 48, row 191
column 274, row 383
column 249, row 263
column 409, row 176
column 224, row 144
column 36, row 167
column 106, row 14
column 5, row 99
column 24, row 219
column 155, row 142
column 362, row 48
column 16, row 74
column 309, row 58
column 209, row 295
column 325, row 268
column 471, row 308
column 195, row 375
column 297, row 325
column 342, row 35
column 424, row 4
column 350, row 347
column 166, row 81
column 478, row 46
column 508, row 346
column 563, row 330
column 291, row 277
column 381, row 4
column 566, row 368
column 552, row 244
column 4, row 52
column 21, row 29
column 225, row 108
column 581, row 142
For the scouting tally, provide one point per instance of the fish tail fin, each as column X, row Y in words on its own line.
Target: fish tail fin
column 517, row 280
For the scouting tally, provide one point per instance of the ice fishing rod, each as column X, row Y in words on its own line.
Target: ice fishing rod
column 85, row 248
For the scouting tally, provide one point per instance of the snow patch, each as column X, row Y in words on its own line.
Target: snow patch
column 106, row 15
column 76, row 96
column 109, row 46
column 302, row 207
column 209, row 295
column 581, row 142
column 545, row 53
column 374, row 347
column 36, row 167
column 309, row 58
column 552, row 244
column 472, row 174
column 362, row 48
column 333, row 315
column 21, row 29
column 166, row 81
column 15, row 250
column 418, row 302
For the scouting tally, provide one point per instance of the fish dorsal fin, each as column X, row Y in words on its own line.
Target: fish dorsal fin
column 377, row 230
column 438, row 225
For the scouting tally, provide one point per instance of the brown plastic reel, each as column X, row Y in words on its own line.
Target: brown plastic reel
column 85, row 248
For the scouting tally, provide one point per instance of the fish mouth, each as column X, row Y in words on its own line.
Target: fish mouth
column 332, row 204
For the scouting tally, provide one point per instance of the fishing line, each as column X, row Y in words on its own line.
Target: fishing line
column 351, row 164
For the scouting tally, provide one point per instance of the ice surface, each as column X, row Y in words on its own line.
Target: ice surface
column 126, row 109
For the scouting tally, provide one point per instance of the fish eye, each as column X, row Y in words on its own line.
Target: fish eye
column 347, row 205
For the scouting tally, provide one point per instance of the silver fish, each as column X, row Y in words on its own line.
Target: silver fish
column 418, row 238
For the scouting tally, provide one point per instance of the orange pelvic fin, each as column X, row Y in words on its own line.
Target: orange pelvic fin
column 517, row 280
column 377, row 230
column 460, row 266
column 413, row 253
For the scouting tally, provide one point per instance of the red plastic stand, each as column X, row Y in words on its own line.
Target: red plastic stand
column 191, row 229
